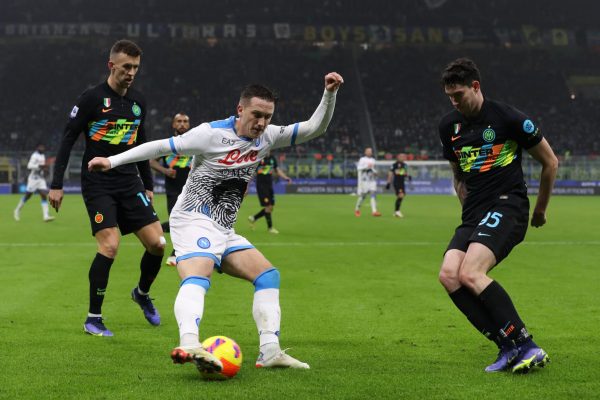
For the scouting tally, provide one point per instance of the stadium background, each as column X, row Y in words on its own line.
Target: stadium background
column 543, row 57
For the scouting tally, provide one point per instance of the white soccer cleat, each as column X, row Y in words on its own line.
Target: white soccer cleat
column 171, row 261
column 205, row 361
column 49, row 218
column 17, row 215
column 398, row 214
column 273, row 230
column 280, row 360
column 251, row 219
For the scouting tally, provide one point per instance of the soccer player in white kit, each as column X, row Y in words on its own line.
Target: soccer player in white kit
column 367, row 182
column 226, row 155
column 36, row 183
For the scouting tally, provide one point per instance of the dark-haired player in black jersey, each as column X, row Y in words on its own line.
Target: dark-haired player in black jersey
column 397, row 174
column 483, row 140
column 264, row 190
column 112, row 117
column 175, row 168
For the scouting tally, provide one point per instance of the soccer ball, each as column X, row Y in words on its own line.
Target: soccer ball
column 228, row 352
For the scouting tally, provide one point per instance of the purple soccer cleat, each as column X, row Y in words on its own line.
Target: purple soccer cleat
column 145, row 303
column 506, row 356
column 95, row 327
column 530, row 355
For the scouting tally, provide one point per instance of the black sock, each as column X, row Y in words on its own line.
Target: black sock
column 98, row 276
column 173, row 253
column 165, row 226
column 398, row 202
column 259, row 214
column 269, row 220
column 502, row 311
column 476, row 313
column 150, row 265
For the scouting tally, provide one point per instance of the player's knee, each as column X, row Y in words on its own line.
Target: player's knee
column 157, row 247
column 468, row 277
column 108, row 249
column 268, row 279
column 196, row 280
column 449, row 278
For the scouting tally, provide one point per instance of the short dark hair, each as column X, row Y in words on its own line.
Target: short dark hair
column 127, row 47
column 260, row 91
column 461, row 71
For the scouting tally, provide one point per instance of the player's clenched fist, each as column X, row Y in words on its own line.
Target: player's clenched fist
column 333, row 80
column 98, row 164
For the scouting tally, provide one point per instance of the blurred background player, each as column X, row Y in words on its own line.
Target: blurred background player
column 175, row 168
column 226, row 155
column 397, row 174
column 36, row 182
column 483, row 140
column 367, row 182
column 112, row 115
column 264, row 190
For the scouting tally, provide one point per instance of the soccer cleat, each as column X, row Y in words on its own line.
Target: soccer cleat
column 398, row 214
column 204, row 361
column 280, row 360
column 273, row 230
column 95, row 327
column 506, row 356
column 145, row 303
column 530, row 355
column 251, row 219
column 376, row 214
column 17, row 215
column 171, row 261
column 49, row 218
column 357, row 213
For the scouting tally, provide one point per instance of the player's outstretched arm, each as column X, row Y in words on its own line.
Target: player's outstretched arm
column 543, row 153
column 142, row 152
column 317, row 124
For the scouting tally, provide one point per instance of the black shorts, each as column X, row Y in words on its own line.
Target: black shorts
column 265, row 193
column 502, row 226
column 399, row 188
column 130, row 210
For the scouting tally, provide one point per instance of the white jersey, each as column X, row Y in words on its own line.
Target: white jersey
column 35, row 164
column 224, row 162
column 366, row 170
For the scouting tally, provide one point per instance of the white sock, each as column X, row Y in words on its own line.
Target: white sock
column 373, row 204
column 359, row 201
column 45, row 209
column 189, row 307
column 267, row 315
column 21, row 204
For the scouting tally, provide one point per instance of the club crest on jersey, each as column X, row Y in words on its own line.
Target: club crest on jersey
column 457, row 128
column 106, row 102
column 489, row 135
column 203, row 243
column 257, row 143
column 136, row 110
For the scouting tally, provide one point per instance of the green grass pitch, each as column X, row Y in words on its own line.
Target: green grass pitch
column 360, row 303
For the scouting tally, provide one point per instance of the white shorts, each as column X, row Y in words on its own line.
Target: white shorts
column 196, row 235
column 35, row 184
column 366, row 187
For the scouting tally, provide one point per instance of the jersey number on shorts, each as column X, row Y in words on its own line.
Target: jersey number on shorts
column 145, row 199
column 494, row 217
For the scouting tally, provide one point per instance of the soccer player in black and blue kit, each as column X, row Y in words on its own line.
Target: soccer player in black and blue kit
column 112, row 116
column 397, row 174
column 483, row 140
column 175, row 168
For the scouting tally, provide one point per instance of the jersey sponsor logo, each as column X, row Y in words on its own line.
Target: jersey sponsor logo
column 486, row 157
column 203, row 243
column 528, row 126
column 114, row 132
column 136, row 110
column 74, row 112
column 179, row 161
column 238, row 172
column 489, row 135
column 236, row 157
column 106, row 102
column 229, row 142
column 105, row 110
